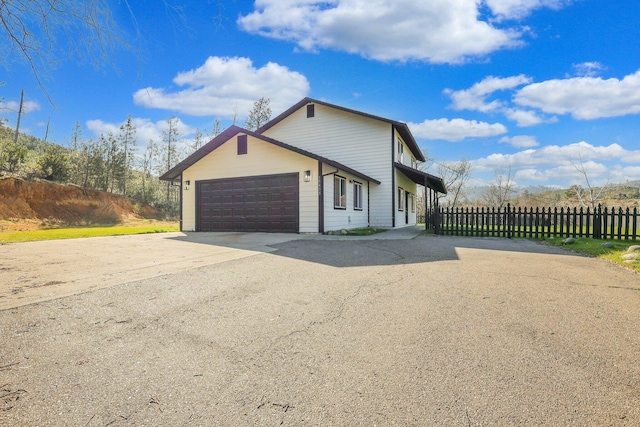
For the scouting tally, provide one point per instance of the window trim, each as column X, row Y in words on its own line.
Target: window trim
column 358, row 204
column 412, row 202
column 400, row 199
column 337, row 192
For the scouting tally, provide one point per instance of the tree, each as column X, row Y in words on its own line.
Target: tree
column 501, row 190
column 259, row 114
column 170, row 138
column 78, row 157
column 39, row 32
column 127, row 141
column 54, row 163
column 198, row 140
column 215, row 130
column 589, row 196
column 455, row 176
column 12, row 152
column 147, row 164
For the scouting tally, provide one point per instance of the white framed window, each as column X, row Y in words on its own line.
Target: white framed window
column 339, row 192
column 412, row 202
column 400, row 151
column 400, row 199
column 357, row 196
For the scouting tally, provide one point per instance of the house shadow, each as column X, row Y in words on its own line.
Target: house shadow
column 367, row 252
column 422, row 249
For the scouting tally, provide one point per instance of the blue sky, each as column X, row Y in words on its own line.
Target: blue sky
column 537, row 87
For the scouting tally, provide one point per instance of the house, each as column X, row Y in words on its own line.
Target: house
column 317, row 167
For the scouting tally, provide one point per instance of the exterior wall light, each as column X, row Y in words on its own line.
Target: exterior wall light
column 187, row 183
column 307, row 176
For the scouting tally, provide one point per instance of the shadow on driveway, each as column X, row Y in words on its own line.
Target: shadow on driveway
column 395, row 247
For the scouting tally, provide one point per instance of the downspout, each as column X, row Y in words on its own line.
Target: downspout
column 320, row 198
column 393, row 179
column 426, row 205
column 181, row 190
column 368, row 204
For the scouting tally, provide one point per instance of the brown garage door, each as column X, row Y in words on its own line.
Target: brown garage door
column 257, row 203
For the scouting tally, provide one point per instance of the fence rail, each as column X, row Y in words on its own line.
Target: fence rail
column 601, row 223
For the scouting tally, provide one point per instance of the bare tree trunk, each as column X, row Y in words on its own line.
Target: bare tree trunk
column 15, row 138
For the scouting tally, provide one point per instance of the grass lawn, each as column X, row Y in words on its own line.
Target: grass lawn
column 54, row 233
column 593, row 247
column 365, row 231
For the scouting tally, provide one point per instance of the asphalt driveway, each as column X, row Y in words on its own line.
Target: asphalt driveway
column 423, row 331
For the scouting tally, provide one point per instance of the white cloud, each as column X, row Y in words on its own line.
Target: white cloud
column 624, row 174
column 526, row 118
column 455, row 129
column 223, row 86
column 437, row 31
column 514, row 9
column 556, row 163
column 585, row 98
column 521, row 141
column 588, row 69
column 14, row 106
column 475, row 97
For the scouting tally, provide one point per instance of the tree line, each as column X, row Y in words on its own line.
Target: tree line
column 114, row 162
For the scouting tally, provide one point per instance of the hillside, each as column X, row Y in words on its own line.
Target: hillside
column 31, row 204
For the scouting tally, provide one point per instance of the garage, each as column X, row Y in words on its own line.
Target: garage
column 267, row 203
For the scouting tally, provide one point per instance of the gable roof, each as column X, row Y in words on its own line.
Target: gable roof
column 401, row 127
column 232, row 131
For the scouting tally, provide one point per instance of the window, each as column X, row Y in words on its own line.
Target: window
column 400, row 199
column 412, row 201
column 311, row 110
column 339, row 192
column 357, row 196
column 400, row 150
column 242, row 144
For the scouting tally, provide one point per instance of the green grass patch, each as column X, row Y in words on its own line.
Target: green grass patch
column 80, row 232
column 365, row 231
column 593, row 247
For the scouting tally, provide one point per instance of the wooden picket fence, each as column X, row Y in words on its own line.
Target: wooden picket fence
column 601, row 223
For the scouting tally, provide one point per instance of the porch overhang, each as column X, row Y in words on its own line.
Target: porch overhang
column 422, row 178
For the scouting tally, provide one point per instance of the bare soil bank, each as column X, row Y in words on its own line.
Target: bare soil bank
column 31, row 204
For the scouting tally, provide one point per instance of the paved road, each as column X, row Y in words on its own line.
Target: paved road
column 429, row 331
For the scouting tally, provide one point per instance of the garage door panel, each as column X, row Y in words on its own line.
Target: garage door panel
column 265, row 203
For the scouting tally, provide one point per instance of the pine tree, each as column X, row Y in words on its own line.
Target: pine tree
column 127, row 141
column 170, row 138
column 198, row 141
column 259, row 114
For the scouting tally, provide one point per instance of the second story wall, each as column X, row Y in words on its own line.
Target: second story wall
column 401, row 152
column 362, row 143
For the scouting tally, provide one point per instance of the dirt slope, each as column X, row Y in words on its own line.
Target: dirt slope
column 65, row 204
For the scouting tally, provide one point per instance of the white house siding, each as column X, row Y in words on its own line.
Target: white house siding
column 349, row 218
column 356, row 141
column 406, row 158
column 262, row 158
column 407, row 185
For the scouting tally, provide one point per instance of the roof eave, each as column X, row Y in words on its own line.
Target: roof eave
column 423, row 178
